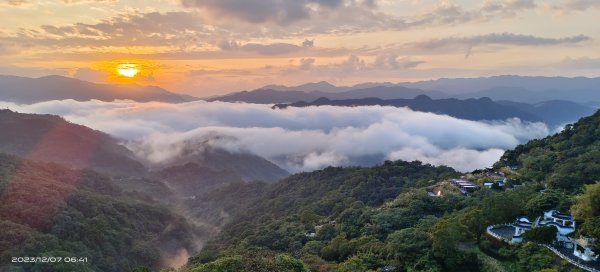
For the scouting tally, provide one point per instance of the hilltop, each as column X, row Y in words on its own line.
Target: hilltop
column 32, row 90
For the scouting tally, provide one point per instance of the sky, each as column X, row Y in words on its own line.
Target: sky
column 211, row 47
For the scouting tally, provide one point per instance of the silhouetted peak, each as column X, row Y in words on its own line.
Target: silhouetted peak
column 485, row 99
column 422, row 97
column 322, row 100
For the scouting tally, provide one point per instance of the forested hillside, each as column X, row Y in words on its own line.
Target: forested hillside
column 51, row 138
column 566, row 160
column 49, row 211
column 384, row 219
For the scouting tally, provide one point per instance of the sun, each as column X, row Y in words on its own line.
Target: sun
column 128, row 69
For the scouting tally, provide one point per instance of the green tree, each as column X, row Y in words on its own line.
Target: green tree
column 226, row 264
column 587, row 205
column 474, row 220
column 541, row 235
column 591, row 227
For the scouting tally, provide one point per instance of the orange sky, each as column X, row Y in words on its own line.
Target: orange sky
column 207, row 47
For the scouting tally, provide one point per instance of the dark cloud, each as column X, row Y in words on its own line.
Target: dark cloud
column 507, row 7
column 503, row 38
column 308, row 43
column 468, row 43
column 281, row 12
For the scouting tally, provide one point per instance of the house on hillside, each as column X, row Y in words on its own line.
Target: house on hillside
column 565, row 225
column 521, row 226
column 496, row 184
column 466, row 187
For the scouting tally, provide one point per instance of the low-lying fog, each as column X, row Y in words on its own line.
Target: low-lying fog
column 298, row 139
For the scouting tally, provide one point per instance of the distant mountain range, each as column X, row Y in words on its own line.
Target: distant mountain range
column 511, row 88
column 324, row 86
column 268, row 96
column 544, row 86
column 552, row 112
column 32, row 90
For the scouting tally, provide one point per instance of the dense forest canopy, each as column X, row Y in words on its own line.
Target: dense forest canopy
column 397, row 216
column 384, row 219
column 47, row 210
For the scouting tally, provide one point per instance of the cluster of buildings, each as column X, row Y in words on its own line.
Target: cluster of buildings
column 466, row 187
column 565, row 225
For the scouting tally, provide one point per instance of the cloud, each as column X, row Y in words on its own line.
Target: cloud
column 210, row 21
column 393, row 61
column 306, row 63
column 280, row 12
column 298, row 139
column 575, row 5
column 508, row 7
column 264, row 49
column 83, row 1
column 580, row 63
column 503, row 38
column 26, row 2
column 129, row 29
column 499, row 39
column 16, row 2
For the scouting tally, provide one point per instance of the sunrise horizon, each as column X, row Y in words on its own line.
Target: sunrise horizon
column 186, row 46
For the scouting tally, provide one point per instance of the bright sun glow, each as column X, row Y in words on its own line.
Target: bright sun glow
column 128, row 69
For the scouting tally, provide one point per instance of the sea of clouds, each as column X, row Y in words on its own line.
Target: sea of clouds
column 298, row 139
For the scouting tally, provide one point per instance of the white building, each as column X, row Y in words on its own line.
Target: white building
column 564, row 223
column 522, row 225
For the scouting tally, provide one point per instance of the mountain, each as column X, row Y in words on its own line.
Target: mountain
column 470, row 109
column 517, row 88
column 52, row 139
column 47, row 210
column 554, row 112
column 566, row 160
column 535, row 83
column 512, row 88
column 199, row 159
column 506, row 87
column 264, row 96
column 326, row 87
column 192, row 179
column 32, row 90
column 322, row 86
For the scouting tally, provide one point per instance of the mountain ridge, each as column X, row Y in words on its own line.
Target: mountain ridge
column 33, row 90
